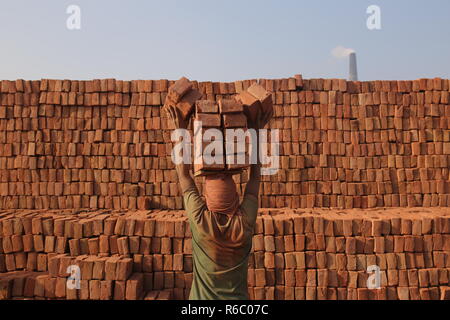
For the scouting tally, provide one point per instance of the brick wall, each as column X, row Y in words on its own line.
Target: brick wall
column 297, row 254
column 106, row 144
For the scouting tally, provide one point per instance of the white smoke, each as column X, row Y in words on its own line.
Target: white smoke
column 341, row 52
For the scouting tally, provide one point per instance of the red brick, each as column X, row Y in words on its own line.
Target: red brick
column 134, row 287
column 187, row 103
column 209, row 120
column 261, row 94
column 207, row 106
column 230, row 106
column 179, row 89
column 234, row 120
column 250, row 103
column 124, row 269
column 106, row 290
column 119, row 290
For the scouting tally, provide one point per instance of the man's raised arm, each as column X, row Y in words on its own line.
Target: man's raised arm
column 183, row 169
column 254, row 180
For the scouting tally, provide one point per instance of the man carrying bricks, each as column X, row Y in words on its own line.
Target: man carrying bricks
column 222, row 228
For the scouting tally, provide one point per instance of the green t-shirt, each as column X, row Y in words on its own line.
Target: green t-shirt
column 221, row 246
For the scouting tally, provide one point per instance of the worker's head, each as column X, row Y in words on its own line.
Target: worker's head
column 220, row 194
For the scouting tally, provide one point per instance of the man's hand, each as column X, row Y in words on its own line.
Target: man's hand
column 176, row 118
column 262, row 119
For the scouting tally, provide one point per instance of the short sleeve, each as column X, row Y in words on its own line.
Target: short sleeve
column 250, row 207
column 193, row 203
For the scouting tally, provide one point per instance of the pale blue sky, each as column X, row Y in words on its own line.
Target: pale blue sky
column 222, row 40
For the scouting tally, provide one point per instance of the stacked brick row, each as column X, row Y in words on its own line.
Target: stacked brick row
column 106, row 144
column 132, row 255
column 297, row 254
column 361, row 144
column 328, row 255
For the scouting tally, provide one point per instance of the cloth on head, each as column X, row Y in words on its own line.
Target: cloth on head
column 220, row 194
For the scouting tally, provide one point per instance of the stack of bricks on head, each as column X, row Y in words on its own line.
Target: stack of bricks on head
column 87, row 182
column 226, row 113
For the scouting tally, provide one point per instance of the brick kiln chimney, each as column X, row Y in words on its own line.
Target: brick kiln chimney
column 353, row 75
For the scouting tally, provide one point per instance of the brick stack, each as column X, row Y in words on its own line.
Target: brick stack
column 120, row 255
column 361, row 144
column 106, row 143
column 297, row 254
column 236, row 150
column 207, row 113
column 325, row 255
column 216, row 119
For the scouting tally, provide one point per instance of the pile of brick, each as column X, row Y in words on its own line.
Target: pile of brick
column 297, row 254
column 230, row 113
column 106, row 143
column 226, row 114
column 214, row 119
column 120, row 255
column 326, row 255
